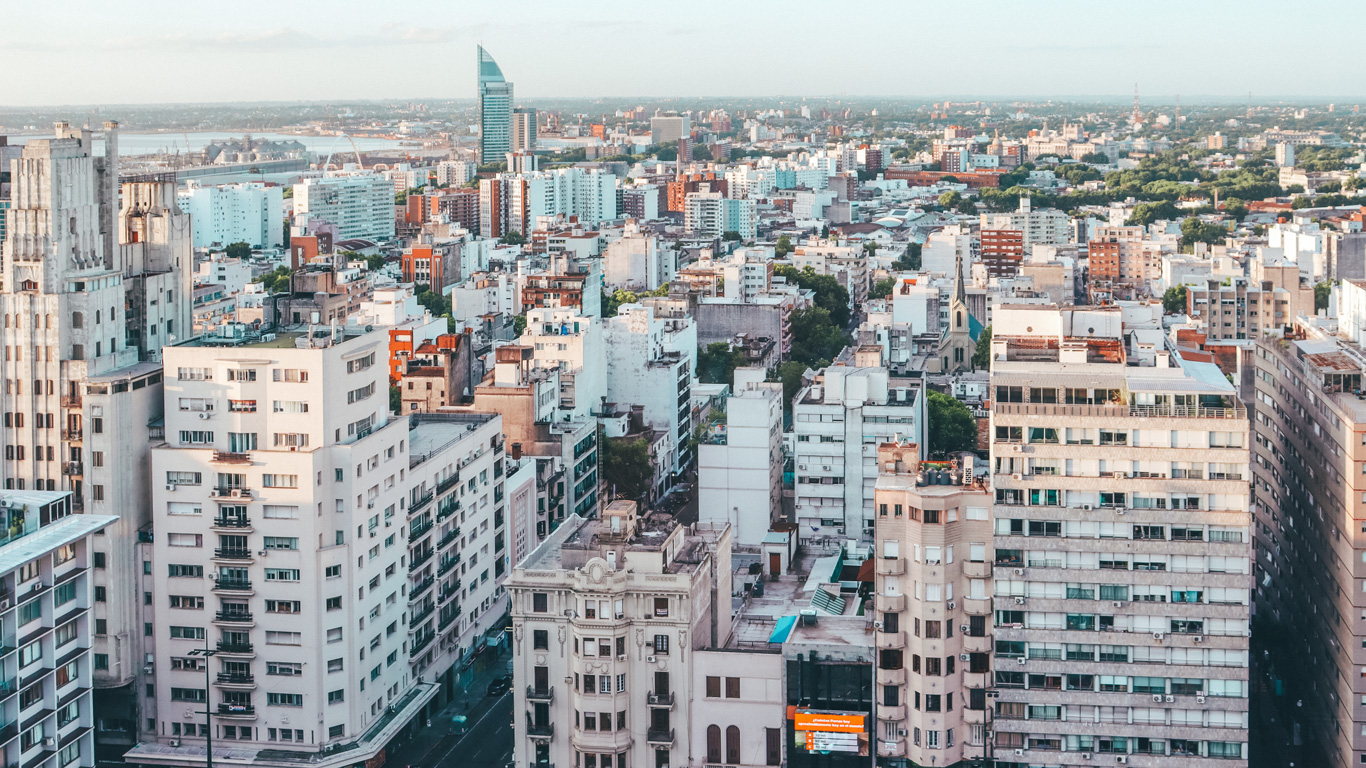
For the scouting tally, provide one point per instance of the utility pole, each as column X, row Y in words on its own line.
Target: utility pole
column 206, row 653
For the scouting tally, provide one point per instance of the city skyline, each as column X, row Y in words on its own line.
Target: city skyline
column 178, row 53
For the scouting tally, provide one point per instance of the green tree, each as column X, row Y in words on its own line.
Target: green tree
column 238, row 251
column 276, row 281
column 1321, row 294
column 374, row 262
column 981, row 356
column 1095, row 158
column 701, row 152
column 518, row 325
column 285, row 236
column 952, row 427
column 950, row 199
column 910, row 260
column 790, row 374
column 830, row 295
column 1196, row 230
column 783, row 246
column 401, row 198
column 1301, row 201
column 730, row 236
column 1174, row 300
column 882, row 289
column 395, row 400
column 626, row 466
column 512, row 238
column 716, row 363
column 816, row 339
column 438, row 304
column 870, row 249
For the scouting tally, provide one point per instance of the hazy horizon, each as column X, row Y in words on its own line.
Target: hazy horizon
column 91, row 53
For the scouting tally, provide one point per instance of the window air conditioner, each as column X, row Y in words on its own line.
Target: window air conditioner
column 1019, row 571
column 963, row 628
column 1017, row 449
column 1157, row 698
column 1019, row 601
column 650, row 659
column 1019, row 753
column 1020, row 659
column 1017, row 476
column 1199, row 699
column 1170, row 699
column 964, row 657
column 952, row 605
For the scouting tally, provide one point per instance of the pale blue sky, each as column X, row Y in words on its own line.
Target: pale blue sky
column 140, row 51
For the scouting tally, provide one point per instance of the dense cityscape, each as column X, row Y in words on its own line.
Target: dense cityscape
column 681, row 432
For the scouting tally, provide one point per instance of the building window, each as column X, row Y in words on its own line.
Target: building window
column 732, row 687
column 732, row 745
column 539, row 602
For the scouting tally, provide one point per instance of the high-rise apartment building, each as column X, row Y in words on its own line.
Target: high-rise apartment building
column 523, row 129
column 711, row 214
column 341, row 565
column 1045, row 226
column 1309, row 421
column 838, row 421
column 1122, row 545
column 514, row 202
column 94, row 284
column 495, row 109
column 46, row 594
column 251, row 213
column 607, row 615
column 668, row 128
column 932, row 591
column 359, row 205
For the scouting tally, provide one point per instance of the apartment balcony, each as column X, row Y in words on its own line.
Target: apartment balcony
column 225, row 646
column 233, row 617
column 445, row 622
column 977, row 606
column 891, row 603
column 230, row 493
column 660, row 737
column 231, row 457
column 895, row 714
column 891, row 747
column 418, row 560
column 418, row 529
column 73, row 468
column 541, row 731
column 236, row 710
column 447, row 564
column 447, row 594
column 448, row 483
column 421, row 615
column 72, row 434
column 232, row 553
column 889, row 566
column 231, row 522
column 974, row 570
column 420, row 644
column 891, row 640
column 976, row 644
column 543, row 695
column 236, row 679
column 232, row 585
column 71, row 401
column 660, row 700
column 421, row 503
column 449, row 539
column 416, row 591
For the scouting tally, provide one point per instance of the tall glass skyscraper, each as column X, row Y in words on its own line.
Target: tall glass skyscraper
column 495, row 110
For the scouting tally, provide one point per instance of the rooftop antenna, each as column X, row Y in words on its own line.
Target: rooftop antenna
column 1138, row 115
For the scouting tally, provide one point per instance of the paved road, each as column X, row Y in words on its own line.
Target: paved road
column 486, row 744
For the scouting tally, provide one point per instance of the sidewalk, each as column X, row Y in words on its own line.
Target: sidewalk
column 438, row 733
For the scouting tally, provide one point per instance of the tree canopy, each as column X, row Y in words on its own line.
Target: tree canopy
column 1322, row 291
column 882, row 289
column 952, row 427
column 626, row 466
column 277, row 280
column 830, row 295
column 716, row 363
column 816, row 339
column 512, row 238
column 783, row 247
column 1196, row 230
column 910, row 260
column 981, row 356
column 238, row 250
column 1174, row 300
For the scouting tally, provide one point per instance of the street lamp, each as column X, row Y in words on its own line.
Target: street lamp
column 206, row 653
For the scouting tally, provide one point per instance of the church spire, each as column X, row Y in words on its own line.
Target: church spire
column 960, row 293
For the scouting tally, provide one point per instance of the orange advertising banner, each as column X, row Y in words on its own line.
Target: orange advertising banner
column 826, row 721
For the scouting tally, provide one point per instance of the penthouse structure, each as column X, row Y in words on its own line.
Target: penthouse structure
column 1122, row 544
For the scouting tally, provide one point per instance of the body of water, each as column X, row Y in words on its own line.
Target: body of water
column 151, row 143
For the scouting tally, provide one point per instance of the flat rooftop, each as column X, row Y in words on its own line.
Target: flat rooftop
column 431, row 433
column 786, row 598
column 287, row 337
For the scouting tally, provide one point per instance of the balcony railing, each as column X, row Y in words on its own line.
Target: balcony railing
column 447, row 563
column 236, row 678
column 419, row 559
column 420, row 503
column 232, row 553
column 419, row 528
column 421, row 615
column 231, row 457
column 448, row 483
column 226, row 646
column 421, row 587
column 72, row 433
column 660, row 736
column 230, row 493
column 541, row 730
column 231, row 522
column 448, row 539
column 421, row 643
column 232, row 584
column 236, row 616
column 546, row 695
column 73, row 468
column 660, row 700
column 71, row 401
column 236, row 709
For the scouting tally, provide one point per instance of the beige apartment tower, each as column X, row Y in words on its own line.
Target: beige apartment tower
column 932, row 581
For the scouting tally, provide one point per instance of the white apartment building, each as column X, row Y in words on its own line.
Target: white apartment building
column 1122, row 547
column 710, row 214
column 667, row 128
column 223, row 214
column 932, row 592
column 46, row 594
column 513, row 202
column 96, row 279
column 740, row 465
column 635, row 261
column 574, row 343
column 838, row 423
column 651, row 364
column 361, row 205
column 1046, row 226
column 848, row 264
column 607, row 615
column 455, row 173
column 340, row 565
column 942, row 250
